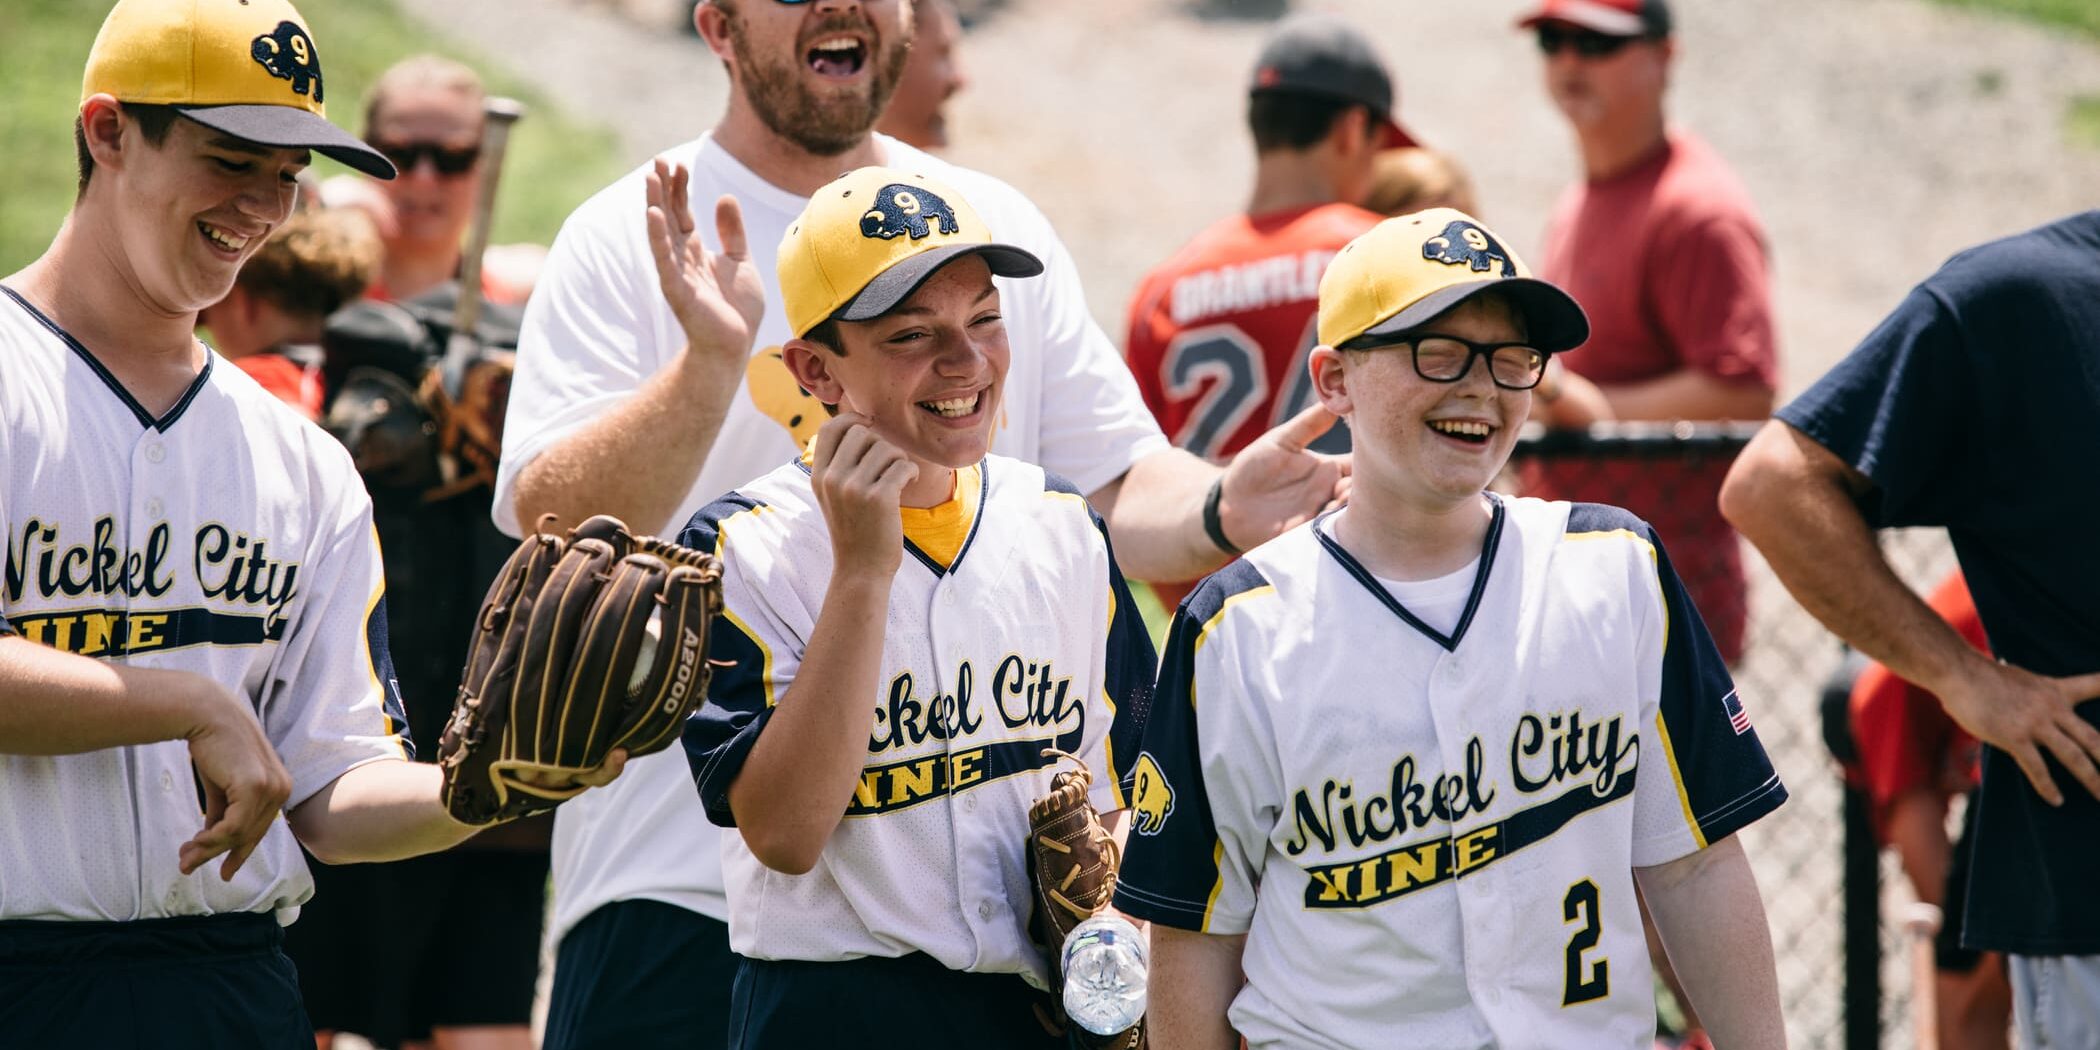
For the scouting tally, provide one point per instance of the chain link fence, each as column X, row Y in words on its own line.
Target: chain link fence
column 1669, row 474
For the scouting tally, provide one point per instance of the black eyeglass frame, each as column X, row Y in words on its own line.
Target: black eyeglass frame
column 1474, row 352
column 1587, row 43
column 445, row 159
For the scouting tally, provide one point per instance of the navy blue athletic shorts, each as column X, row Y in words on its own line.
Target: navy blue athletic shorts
column 208, row 982
column 639, row 975
column 876, row 1004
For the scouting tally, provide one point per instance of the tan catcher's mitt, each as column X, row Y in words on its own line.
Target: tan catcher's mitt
column 1072, row 863
column 584, row 644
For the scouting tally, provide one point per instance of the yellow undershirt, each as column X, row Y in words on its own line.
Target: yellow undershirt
column 940, row 530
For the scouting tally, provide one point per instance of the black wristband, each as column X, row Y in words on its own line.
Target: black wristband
column 1213, row 527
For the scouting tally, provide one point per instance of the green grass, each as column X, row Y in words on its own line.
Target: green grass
column 2082, row 122
column 555, row 160
column 2080, row 15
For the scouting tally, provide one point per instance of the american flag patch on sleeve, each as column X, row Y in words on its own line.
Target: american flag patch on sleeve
column 1737, row 717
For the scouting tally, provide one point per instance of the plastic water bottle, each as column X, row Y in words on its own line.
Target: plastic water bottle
column 1104, row 966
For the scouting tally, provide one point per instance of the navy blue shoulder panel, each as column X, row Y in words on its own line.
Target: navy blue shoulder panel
column 1603, row 517
column 705, row 527
column 1055, row 482
column 1211, row 595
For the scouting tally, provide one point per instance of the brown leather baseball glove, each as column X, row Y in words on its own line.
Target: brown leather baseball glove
column 585, row 644
column 1072, row 863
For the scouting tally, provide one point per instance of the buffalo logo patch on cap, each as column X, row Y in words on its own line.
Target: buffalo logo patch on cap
column 1465, row 244
column 907, row 210
column 288, row 53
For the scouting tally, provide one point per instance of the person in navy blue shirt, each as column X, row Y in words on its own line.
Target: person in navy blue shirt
column 1975, row 406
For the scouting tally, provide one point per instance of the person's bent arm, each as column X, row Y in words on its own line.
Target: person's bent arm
column 1566, row 400
column 1712, row 921
column 1689, row 393
column 391, row 809
column 58, row 703
column 1155, row 510
column 55, row 703
column 1797, row 502
column 637, row 461
column 795, row 785
column 1193, row 980
column 379, row 811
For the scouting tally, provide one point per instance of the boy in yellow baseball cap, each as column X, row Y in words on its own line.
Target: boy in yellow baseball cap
column 197, row 681
column 1426, row 745
column 887, row 720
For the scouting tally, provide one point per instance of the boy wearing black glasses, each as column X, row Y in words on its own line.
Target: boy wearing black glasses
column 1407, row 762
column 1660, row 243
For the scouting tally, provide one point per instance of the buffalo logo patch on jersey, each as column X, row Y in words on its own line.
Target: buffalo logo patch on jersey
column 1464, row 244
column 912, row 211
column 288, row 53
column 1151, row 797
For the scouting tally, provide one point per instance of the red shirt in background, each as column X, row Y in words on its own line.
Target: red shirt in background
column 1220, row 330
column 1668, row 259
column 294, row 384
column 1905, row 738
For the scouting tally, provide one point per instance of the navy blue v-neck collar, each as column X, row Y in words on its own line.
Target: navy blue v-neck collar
column 138, row 411
column 1488, row 547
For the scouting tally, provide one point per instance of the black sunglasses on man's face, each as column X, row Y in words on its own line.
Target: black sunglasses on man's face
column 1587, row 43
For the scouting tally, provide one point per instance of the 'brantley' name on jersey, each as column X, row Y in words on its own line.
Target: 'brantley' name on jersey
column 1545, row 753
column 1025, row 695
column 230, row 567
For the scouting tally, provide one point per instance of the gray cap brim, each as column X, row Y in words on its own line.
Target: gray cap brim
column 894, row 285
column 1553, row 321
column 288, row 127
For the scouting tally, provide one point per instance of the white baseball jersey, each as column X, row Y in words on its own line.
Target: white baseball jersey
column 597, row 328
column 1027, row 640
column 229, row 538
column 1428, row 833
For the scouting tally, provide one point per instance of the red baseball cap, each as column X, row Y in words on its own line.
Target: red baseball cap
column 1650, row 18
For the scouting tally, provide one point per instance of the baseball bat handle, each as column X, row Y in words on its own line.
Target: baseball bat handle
column 498, row 115
column 1921, row 922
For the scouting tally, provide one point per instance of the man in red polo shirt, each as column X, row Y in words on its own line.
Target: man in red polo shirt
column 1660, row 244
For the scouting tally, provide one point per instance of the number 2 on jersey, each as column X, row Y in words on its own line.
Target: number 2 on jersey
column 1580, row 986
column 1236, row 370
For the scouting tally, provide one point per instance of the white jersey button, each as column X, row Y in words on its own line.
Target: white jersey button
column 948, row 596
column 970, row 803
column 984, row 910
column 153, row 508
column 154, row 453
column 167, row 780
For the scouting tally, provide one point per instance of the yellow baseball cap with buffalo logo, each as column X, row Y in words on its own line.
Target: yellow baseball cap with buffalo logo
column 248, row 68
column 1408, row 269
column 871, row 237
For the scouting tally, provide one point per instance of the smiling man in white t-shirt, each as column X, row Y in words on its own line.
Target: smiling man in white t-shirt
column 619, row 409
